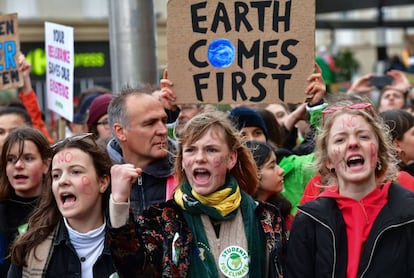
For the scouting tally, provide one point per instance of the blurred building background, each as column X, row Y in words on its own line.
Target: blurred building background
column 90, row 21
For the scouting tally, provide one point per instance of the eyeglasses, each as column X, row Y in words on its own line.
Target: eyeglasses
column 354, row 106
column 85, row 137
column 104, row 123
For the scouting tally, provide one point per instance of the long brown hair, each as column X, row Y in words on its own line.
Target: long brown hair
column 245, row 170
column 19, row 136
column 46, row 216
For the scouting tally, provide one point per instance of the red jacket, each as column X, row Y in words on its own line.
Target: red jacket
column 359, row 217
column 29, row 101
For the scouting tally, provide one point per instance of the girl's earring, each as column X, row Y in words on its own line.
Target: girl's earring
column 379, row 165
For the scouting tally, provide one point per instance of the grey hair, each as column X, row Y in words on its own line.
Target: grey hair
column 117, row 112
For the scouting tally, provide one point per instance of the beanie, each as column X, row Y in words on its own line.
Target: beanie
column 98, row 108
column 80, row 116
column 247, row 117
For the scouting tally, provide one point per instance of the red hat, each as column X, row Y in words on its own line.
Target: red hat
column 98, row 108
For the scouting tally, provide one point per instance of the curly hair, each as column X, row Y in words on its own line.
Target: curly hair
column 386, row 157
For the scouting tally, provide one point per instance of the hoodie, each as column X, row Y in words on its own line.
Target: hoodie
column 359, row 217
column 150, row 188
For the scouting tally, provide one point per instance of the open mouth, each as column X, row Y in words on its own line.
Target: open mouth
column 67, row 198
column 354, row 161
column 20, row 177
column 201, row 175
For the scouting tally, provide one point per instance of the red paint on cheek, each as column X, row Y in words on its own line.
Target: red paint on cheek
column 64, row 157
column 86, row 185
column 186, row 163
column 218, row 162
column 336, row 153
column 336, row 156
column 374, row 155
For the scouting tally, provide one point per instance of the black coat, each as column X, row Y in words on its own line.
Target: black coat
column 13, row 213
column 409, row 169
column 318, row 242
column 64, row 261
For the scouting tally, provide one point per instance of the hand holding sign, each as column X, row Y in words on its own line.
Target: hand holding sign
column 166, row 95
column 316, row 86
column 10, row 77
column 25, row 67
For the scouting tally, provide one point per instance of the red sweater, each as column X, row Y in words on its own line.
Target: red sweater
column 32, row 106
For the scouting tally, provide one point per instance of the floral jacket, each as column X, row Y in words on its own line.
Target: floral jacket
column 160, row 243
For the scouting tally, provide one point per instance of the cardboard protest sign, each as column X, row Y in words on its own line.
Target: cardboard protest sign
column 240, row 51
column 60, row 63
column 10, row 76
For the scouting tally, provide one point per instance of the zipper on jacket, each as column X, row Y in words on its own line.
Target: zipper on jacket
column 376, row 241
column 333, row 238
column 143, row 203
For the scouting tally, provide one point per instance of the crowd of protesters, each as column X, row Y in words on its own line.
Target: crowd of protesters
column 143, row 187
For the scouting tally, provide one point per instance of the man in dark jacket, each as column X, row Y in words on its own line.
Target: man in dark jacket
column 138, row 123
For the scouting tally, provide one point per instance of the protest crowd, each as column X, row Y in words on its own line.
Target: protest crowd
column 141, row 185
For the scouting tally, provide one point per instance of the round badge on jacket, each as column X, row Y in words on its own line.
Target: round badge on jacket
column 234, row 262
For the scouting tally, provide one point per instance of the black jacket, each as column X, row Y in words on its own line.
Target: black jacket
column 13, row 213
column 409, row 169
column 65, row 262
column 318, row 242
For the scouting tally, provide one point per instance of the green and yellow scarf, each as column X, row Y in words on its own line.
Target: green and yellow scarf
column 221, row 205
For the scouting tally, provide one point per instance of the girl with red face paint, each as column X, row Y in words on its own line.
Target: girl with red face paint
column 362, row 224
column 66, row 234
